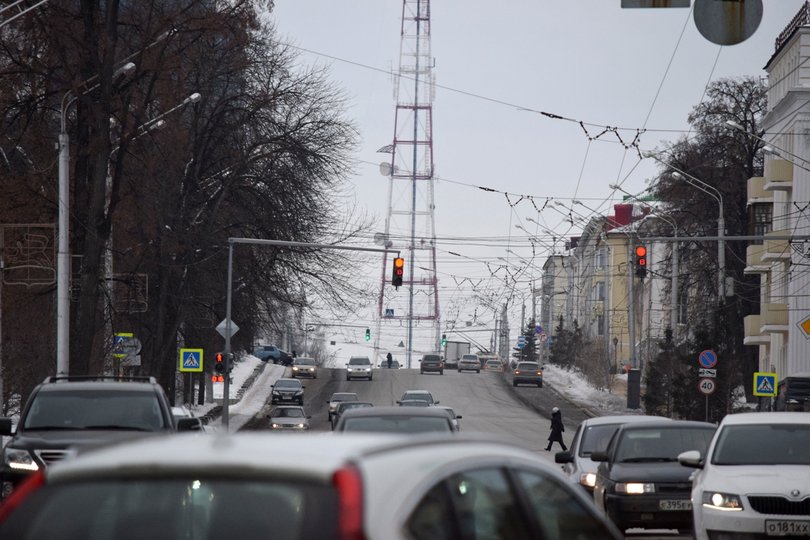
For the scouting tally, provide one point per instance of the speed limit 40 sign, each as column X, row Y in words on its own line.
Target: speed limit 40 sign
column 707, row 386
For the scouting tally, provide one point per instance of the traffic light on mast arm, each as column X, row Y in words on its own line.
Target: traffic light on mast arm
column 368, row 334
column 641, row 261
column 444, row 340
column 399, row 271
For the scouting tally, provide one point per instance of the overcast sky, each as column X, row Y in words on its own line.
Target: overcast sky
column 497, row 65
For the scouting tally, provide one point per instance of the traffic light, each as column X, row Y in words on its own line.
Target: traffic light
column 368, row 334
column 399, row 270
column 444, row 340
column 641, row 261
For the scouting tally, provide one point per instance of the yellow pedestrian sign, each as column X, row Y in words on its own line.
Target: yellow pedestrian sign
column 764, row 384
column 191, row 360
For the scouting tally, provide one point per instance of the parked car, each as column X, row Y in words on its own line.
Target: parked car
column 65, row 414
column 793, row 393
column 302, row 486
column 593, row 435
column 358, row 367
column 423, row 395
column 305, row 367
column 469, row 362
column 431, row 363
column 394, row 364
column 753, row 480
column 493, row 364
column 343, row 406
column 289, row 417
column 336, row 398
column 271, row 352
column 396, row 420
column 287, row 391
column 198, row 424
column 453, row 416
column 528, row 373
column 639, row 482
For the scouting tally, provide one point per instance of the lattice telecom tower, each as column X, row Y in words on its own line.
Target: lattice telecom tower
column 409, row 224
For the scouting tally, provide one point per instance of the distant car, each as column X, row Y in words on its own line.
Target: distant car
column 469, row 362
column 305, row 367
column 493, row 365
column 753, row 480
column 639, row 482
column 287, row 391
column 302, row 486
column 358, row 367
column 338, row 397
column 267, row 352
column 431, row 363
column 413, row 403
column 453, row 416
column 288, row 418
column 396, row 420
column 423, row 395
column 528, row 373
column 593, row 435
column 394, row 364
column 484, row 358
column 180, row 412
column 343, row 406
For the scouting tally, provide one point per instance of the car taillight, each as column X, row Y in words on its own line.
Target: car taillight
column 30, row 485
column 349, row 485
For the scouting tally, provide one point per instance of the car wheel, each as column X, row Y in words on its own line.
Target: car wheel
column 369, row 377
column 441, row 372
column 348, row 378
column 514, row 383
column 539, row 385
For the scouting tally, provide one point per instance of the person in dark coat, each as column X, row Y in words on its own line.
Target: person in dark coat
column 390, row 360
column 557, row 429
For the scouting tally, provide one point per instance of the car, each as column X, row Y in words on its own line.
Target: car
column 305, row 367
column 793, row 393
column 180, row 412
column 288, row 418
column 753, row 480
column 431, row 363
column 343, row 406
column 493, row 365
column 423, row 395
column 65, row 414
column 358, row 367
column 270, row 352
column 528, row 373
column 287, row 391
column 396, row 420
column 469, row 362
column 453, row 416
column 593, row 435
column 336, row 398
column 251, row 486
column 413, row 403
column 484, row 358
column 639, row 482
column 394, row 364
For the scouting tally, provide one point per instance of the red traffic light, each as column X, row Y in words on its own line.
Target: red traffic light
column 399, row 271
column 641, row 261
column 219, row 366
column 641, row 251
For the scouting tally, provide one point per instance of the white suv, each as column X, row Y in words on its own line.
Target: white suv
column 359, row 367
column 754, row 479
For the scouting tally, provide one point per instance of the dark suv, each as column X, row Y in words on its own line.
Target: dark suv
column 68, row 413
column 432, row 362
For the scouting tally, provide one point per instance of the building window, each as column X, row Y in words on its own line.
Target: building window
column 599, row 259
column 761, row 220
column 600, row 325
column 600, row 291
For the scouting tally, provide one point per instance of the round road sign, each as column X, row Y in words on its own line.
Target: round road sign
column 707, row 359
column 707, row 386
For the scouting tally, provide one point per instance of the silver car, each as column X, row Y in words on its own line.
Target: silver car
column 288, row 418
column 469, row 362
column 336, row 398
column 305, row 367
column 358, row 367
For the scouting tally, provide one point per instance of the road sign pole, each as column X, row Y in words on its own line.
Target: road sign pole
column 227, row 379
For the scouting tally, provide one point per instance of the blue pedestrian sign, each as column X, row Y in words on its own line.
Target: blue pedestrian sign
column 191, row 360
column 708, row 359
column 764, row 384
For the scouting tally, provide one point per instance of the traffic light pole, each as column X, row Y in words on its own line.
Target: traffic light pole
column 229, row 299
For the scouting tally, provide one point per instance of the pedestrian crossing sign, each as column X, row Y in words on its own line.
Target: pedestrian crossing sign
column 191, row 360
column 764, row 384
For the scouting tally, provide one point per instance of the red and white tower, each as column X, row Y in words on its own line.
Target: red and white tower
column 413, row 310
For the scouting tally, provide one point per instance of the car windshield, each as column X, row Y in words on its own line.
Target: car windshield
column 305, row 361
column 596, row 439
column 197, row 507
column 78, row 409
column 292, row 412
column 359, row 361
column 493, row 363
column 528, row 366
column 414, row 403
column 432, row 358
column 470, row 357
column 763, row 444
column 423, row 396
column 397, row 424
column 288, row 384
column 661, row 444
column 344, row 397
column 345, row 406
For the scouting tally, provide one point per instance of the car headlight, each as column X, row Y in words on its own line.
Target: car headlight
column 20, row 460
column 368, row 369
column 301, row 426
column 312, row 369
column 275, row 426
column 295, row 368
column 722, row 501
column 634, row 488
column 299, row 392
column 587, row 479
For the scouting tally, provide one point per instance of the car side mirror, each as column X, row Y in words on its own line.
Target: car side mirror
column 458, row 417
column 436, row 402
column 6, row 426
column 599, row 456
column 691, row 458
column 564, row 457
column 399, row 403
column 188, row 424
column 309, row 416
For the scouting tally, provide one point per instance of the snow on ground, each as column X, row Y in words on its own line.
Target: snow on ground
column 573, row 385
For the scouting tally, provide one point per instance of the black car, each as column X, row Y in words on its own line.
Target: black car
column 344, row 406
column 287, row 391
column 639, row 482
column 66, row 414
column 432, row 363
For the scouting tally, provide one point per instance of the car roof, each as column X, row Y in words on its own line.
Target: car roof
column 343, row 394
column 299, row 358
column 766, row 418
column 287, row 379
column 493, row 361
column 359, row 358
column 667, row 424
column 621, row 419
column 395, row 411
column 73, row 385
column 416, row 392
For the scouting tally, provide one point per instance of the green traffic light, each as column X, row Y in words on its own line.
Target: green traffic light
column 368, row 334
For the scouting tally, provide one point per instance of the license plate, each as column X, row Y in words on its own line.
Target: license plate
column 675, row 504
column 784, row 527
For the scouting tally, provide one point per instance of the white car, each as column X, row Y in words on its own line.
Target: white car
column 250, row 486
column 359, row 367
column 754, row 481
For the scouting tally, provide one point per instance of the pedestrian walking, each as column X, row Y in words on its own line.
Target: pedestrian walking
column 390, row 359
column 557, row 429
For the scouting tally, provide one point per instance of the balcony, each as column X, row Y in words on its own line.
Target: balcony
column 776, row 250
column 753, row 260
column 757, row 192
column 778, row 175
column 773, row 318
column 752, row 326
